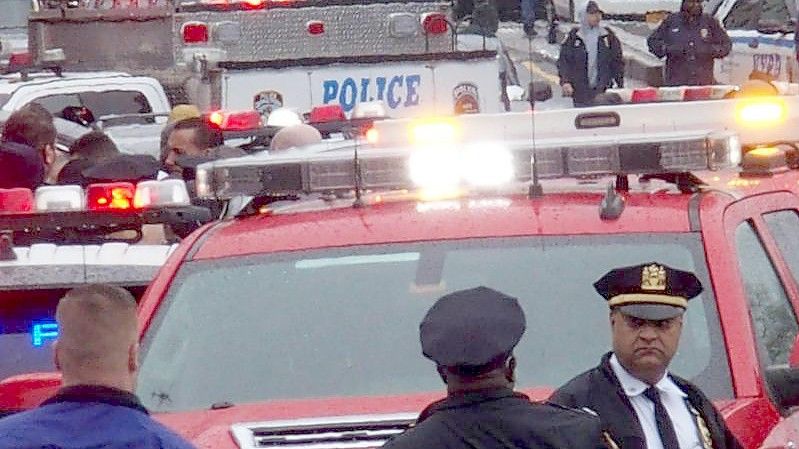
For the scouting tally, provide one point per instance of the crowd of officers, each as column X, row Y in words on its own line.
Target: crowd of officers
column 29, row 157
column 630, row 400
column 590, row 60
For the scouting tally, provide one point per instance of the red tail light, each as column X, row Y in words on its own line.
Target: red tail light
column 697, row 93
column 329, row 113
column 16, row 200
column 316, row 27
column 435, row 23
column 110, row 196
column 235, row 121
column 194, row 33
column 645, row 95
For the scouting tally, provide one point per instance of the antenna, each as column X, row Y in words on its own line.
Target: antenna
column 356, row 162
column 536, row 190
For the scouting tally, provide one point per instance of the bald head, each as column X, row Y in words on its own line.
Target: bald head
column 97, row 342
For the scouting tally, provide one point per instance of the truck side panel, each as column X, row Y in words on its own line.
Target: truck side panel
column 407, row 88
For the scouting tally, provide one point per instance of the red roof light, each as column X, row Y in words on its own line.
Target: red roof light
column 254, row 4
column 110, row 196
column 328, row 113
column 194, row 33
column 434, row 23
column 16, row 200
column 316, row 27
column 235, row 121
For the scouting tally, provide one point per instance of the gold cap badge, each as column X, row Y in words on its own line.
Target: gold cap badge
column 653, row 277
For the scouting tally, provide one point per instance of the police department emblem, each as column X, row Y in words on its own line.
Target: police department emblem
column 267, row 101
column 466, row 98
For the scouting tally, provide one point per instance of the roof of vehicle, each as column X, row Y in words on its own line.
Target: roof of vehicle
column 567, row 207
column 11, row 82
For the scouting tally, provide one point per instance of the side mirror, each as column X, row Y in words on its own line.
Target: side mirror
column 783, row 381
column 26, row 391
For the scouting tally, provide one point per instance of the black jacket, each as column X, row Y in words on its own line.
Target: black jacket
column 499, row 419
column 599, row 390
column 573, row 64
column 20, row 166
column 690, row 48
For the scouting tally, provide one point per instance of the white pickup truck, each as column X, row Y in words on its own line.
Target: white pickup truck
column 137, row 104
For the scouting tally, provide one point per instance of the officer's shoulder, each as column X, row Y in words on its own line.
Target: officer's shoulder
column 425, row 433
column 579, row 385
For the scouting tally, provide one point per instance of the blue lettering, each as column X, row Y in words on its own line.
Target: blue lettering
column 44, row 331
column 365, row 89
column 412, row 83
column 381, row 87
column 392, row 99
column 330, row 91
column 349, row 94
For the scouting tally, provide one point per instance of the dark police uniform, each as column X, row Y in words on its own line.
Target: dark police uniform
column 650, row 292
column 690, row 48
column 88, row 416
column 470, row 333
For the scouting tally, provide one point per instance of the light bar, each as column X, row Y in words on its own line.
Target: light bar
column 470, row 166
column 97, row 197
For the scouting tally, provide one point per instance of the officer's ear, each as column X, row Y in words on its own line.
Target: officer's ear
column 442, row 372
column 56, row 360
column 133, row 358
column 510, row 369
column 48, row 154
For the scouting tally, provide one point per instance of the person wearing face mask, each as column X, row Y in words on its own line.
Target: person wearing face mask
column 691, row 41
column 590, row 58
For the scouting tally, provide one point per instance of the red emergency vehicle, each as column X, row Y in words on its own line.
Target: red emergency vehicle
column 295, row 323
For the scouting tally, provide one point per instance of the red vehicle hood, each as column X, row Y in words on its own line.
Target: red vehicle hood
column 211, row 428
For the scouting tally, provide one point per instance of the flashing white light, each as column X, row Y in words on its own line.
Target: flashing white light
column 435, row 168
column 370, row 109
column 735, row 151
column 283, row 117
column 487, row 166
column 59, row 198
column 169, row 192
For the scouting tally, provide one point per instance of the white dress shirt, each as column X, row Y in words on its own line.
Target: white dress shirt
column 674, row 400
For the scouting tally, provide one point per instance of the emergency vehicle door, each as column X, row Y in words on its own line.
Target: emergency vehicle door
column 762, row 35
column 761, row 230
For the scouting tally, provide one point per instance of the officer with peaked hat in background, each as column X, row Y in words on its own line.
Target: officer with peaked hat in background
column 470, row 335
column 641, row 404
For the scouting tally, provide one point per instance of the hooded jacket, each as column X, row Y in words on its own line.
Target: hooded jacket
column 590, row 60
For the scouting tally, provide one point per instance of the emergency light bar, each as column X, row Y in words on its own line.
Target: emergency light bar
column 68, row 213
column 464, row 165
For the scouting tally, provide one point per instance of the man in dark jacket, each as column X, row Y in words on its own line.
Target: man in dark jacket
column 590, row 58
column 97, row 354
column 641, row 404
column 470, row 335
column 690, row 41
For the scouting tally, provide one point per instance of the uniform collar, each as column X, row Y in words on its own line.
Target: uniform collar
column 633, row 386
column 97, row 393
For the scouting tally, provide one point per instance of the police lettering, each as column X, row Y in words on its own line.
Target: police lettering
column 396, row 91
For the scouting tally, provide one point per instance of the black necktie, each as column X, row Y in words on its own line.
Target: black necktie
column 665, row 428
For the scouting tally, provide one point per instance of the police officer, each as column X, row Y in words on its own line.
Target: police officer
column 641, row 404
column 590, row 58
column 690, row 41
column 97, row 355
column 470, row 335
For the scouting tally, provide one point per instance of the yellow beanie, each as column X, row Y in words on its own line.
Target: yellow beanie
column 183, row 112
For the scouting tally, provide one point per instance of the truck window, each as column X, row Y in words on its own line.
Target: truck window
column 746, row 14
column 318, row 323
column 111, row 102
column 784, row 227
column 772, row 315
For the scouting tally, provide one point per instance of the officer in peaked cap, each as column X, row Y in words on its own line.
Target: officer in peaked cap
column 640, row 403
column 470, row 335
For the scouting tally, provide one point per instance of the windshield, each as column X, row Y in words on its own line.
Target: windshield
column 110, row 102
column 749, row 15
column 345, row 322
